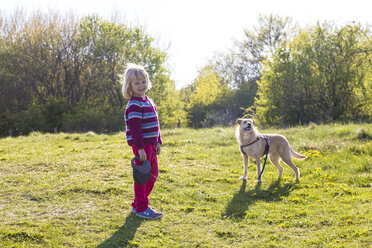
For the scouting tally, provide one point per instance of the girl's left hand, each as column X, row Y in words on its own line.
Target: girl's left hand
column 157, row 149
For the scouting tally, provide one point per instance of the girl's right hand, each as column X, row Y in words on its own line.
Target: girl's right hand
column 142, row 154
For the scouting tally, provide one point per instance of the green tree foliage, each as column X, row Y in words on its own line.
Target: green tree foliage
column 205, row 91
column 172, row 108
column 322, row 75
column 67, row 71
column 240, row 68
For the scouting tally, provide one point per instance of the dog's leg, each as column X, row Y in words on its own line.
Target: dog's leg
column 275, row 160
column 287, row 159
column 258, row 163
column 245, row 175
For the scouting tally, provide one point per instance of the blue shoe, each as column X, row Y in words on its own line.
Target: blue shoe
column 149, row 214
column 133, row 211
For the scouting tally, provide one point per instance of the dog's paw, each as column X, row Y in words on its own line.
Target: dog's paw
column 243, row 177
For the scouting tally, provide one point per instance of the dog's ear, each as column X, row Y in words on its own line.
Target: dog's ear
column 254, row 123
column 238, row 121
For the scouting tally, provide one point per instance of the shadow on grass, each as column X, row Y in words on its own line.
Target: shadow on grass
column 123, row 237
column 242, row 200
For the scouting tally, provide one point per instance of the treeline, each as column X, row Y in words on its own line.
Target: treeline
column 282, row 74
column 63, row 73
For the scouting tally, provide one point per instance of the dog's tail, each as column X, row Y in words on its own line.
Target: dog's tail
column 297, row 155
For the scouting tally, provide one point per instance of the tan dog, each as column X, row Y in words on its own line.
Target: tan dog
column 252, row 144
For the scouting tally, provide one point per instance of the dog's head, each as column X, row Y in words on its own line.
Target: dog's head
column 246, row 125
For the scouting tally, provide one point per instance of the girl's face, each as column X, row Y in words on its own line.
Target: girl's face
column 139, row 87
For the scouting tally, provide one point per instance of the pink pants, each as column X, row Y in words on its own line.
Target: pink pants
column 142, row 192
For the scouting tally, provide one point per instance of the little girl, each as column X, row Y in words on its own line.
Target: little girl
column 142, row 133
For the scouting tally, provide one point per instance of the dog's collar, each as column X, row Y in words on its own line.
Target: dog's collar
column 258, row 138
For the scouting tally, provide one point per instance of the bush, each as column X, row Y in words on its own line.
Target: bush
column 97, row 119
column 57, row 114
column 31, row 119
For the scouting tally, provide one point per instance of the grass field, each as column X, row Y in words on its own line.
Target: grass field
column 75, row 190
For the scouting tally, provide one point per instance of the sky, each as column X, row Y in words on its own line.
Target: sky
column 193, row 31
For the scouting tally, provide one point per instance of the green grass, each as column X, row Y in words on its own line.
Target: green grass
column 75, row 190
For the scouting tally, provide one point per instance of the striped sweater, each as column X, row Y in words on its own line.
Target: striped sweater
column 142, row 123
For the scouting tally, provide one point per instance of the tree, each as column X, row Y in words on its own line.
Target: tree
column 205, row 91
column 57, row 68
column 241, row 67
column 319, row 76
